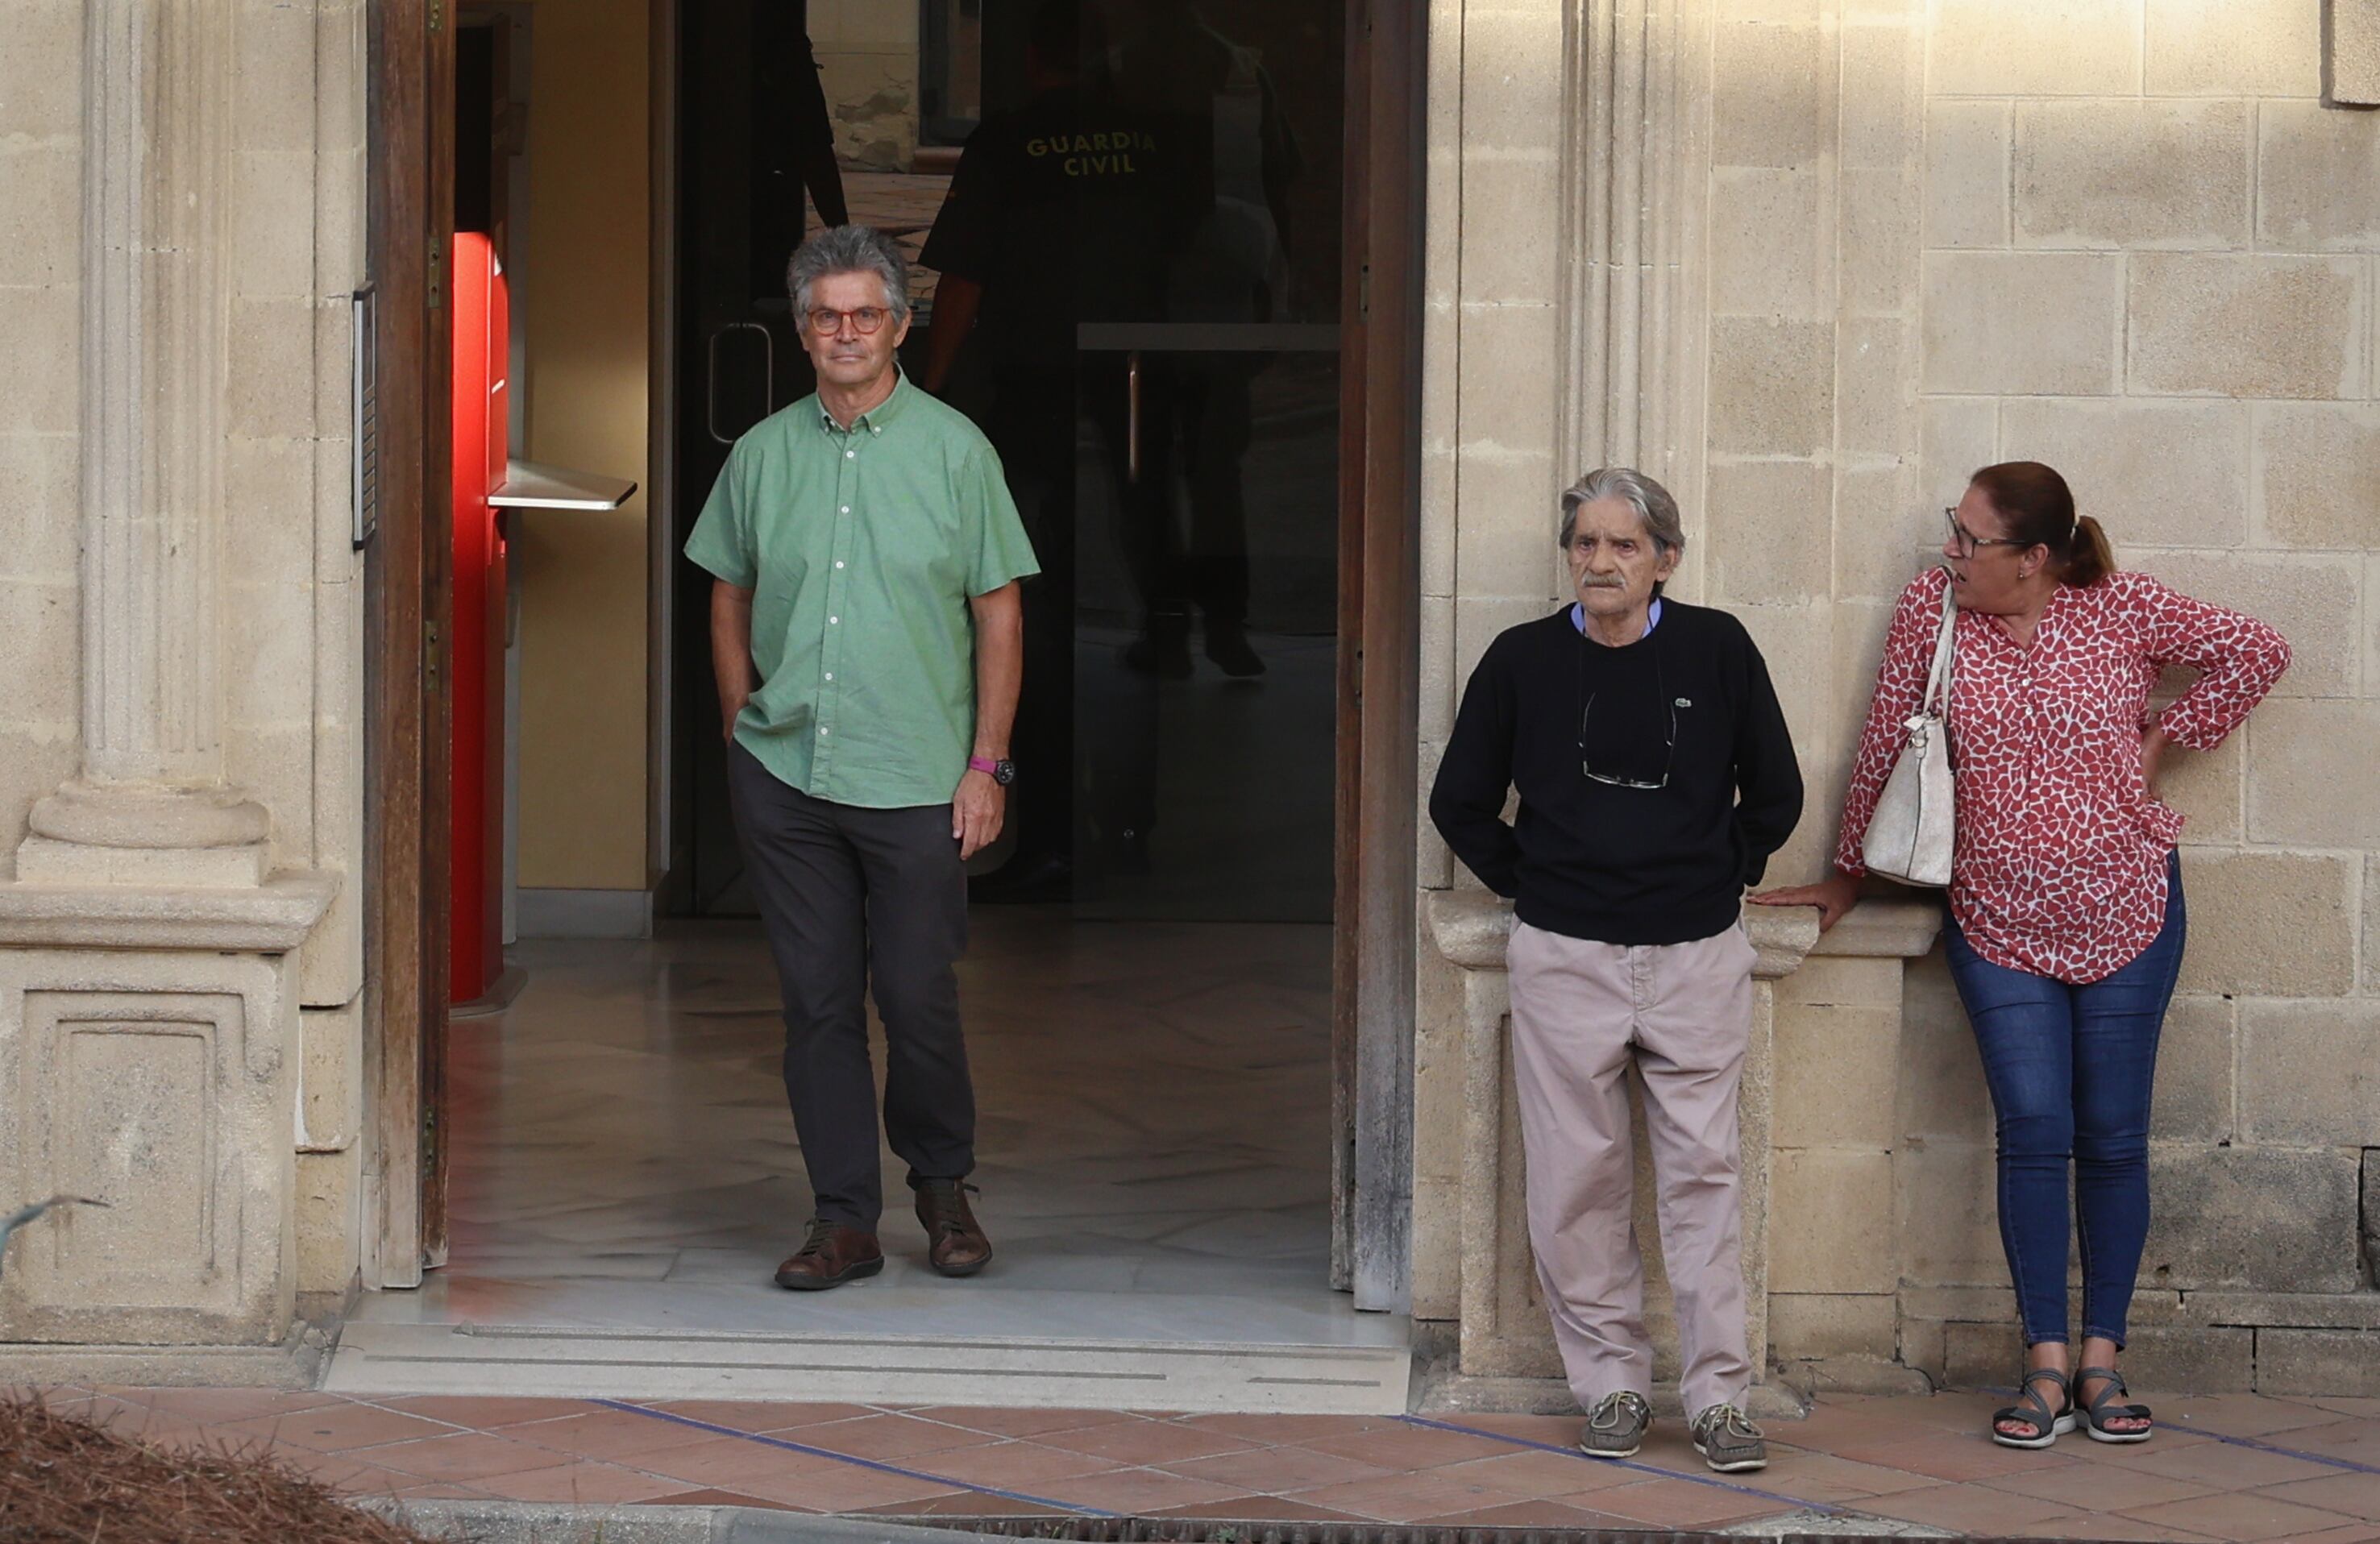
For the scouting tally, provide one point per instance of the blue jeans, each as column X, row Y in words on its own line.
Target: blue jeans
column 2070, row 1070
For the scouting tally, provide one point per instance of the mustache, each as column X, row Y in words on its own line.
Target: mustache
column 1591, row 582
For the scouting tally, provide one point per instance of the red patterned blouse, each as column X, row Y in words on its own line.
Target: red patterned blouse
column 2059, row 864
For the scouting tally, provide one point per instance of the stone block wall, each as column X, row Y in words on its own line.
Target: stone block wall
column 2129, row 237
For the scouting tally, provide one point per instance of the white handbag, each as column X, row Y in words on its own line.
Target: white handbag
column 1909, row 836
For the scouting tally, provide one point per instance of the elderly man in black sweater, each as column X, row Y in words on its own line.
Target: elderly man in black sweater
column 1656, row 776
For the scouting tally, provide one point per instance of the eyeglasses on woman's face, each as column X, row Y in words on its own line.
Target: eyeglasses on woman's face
column 1967, row 543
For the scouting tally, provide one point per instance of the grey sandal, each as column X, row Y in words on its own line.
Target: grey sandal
column 2100, row 1411
column 2048, row 1424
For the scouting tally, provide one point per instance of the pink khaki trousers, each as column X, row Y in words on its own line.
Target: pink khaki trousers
column 1682, row 1013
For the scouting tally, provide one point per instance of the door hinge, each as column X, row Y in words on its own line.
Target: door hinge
column 437, row 271
column 1363, row 292
column 437, row 16
column 429, row 657
column 429, row 1140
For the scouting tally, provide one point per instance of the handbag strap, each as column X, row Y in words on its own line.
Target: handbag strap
column 1936, row 702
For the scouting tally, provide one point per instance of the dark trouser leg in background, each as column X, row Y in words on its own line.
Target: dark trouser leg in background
column 813, row 899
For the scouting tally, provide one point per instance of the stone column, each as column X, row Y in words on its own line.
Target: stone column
column 152, row 805
column 149, row 1008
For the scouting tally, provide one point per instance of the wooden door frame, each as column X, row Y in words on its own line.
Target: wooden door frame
column 408, row 591
column 1379, row 656
column 407, row 598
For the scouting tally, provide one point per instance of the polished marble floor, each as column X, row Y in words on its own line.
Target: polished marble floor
column 1153, row 1145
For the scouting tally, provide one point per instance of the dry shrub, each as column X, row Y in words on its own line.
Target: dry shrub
column 66, row 1481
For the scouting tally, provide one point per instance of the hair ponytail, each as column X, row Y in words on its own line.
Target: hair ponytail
column 2039, row 509
column 2092, row 560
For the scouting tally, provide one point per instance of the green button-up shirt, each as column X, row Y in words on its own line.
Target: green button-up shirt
column 862, row 547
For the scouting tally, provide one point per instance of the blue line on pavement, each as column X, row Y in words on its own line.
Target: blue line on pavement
column 848, row 1458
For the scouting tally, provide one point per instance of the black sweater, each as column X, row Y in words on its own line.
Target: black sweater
column 1620, row 865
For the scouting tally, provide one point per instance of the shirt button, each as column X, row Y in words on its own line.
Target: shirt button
column 838, row 563
column 834, row 621
column 824, row 729
column 849, row 454
column 830, row 675
column 846, row 509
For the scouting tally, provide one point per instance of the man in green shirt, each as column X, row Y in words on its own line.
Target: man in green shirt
column 867, row 634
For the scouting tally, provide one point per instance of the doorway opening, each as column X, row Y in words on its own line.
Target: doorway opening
column 1141, row 250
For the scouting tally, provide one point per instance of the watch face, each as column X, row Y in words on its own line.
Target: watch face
column 1003, row 772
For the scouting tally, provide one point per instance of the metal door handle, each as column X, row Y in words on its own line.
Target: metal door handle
column 1132, row 417
column 769, row 378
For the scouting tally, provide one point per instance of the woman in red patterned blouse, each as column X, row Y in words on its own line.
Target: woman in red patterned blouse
column 2067, row 920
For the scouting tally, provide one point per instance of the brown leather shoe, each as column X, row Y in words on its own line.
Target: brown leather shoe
column 831, row 1256
column 955, row 1242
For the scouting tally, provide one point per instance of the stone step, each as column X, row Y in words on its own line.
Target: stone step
column 583, row 1363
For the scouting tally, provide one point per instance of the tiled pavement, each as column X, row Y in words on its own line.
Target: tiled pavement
column 2236, row 1467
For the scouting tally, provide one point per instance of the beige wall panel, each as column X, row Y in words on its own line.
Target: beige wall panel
column 1830, row 1221
column 1771, row 95
column 1885, row 531
column 2369, row 978
column 2035, row 48
column 1765, row 244
column 2210, row 789
column 2310, row 1073
column 1511, row 518
column 1942, row 1095
column 1814, row 1324
column 41, row 70
column 2318, row 473
column 1948, row 1221
column 46, row 324
column 41, row 623
column 2304, row 758
column 2133, row 174
column 2317, row 177
column 1506, row 377
column 1882, row 94
column 2311, row 599
column 1968, row 149
column 1875, row 374
column 2022, row 323
column 1768, row 529
column 1512, row 79
column 1879, row 216
column 329, row 1224
column 1957, row 436
column 2194, row 1072
column 2269, row 924
column 41, row 220
column 2253, row 1219
column 2234, row 47
column 1509, row 247
column 1837, row 1074
column 2167, row 474
column 581, row 300
column 1477, row 620
column 2190, row 312
column 1772, row 388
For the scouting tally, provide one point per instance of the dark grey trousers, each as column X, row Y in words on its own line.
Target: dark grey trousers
column 852, row 897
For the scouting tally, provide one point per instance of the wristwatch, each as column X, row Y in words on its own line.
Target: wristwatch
column 1003, row 771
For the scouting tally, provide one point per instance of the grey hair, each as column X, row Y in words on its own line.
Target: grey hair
column 1652, row 501
column 849, row 249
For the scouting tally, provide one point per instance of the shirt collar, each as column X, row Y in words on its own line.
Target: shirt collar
column 1652, row 617
column 879, row 417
